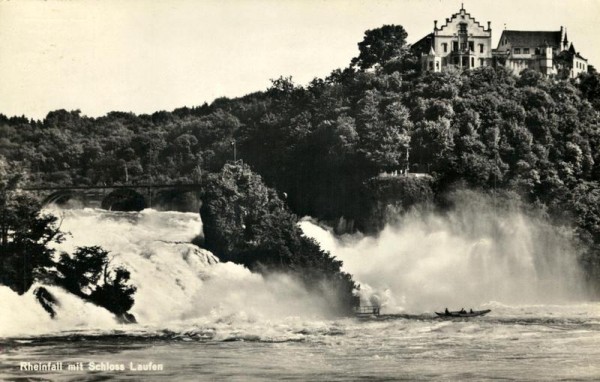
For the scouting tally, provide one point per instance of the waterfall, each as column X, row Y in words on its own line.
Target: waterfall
column 471, row 255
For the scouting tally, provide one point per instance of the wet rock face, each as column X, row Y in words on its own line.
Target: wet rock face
column 176, row 200
column 124, row 200
column 386, row 197
column 46, row 300
column 126, row 318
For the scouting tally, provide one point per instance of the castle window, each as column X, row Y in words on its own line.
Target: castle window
column 480, row 48
column 481, row 62
column 525, row 50
column 431, row 65
column 463, row 45
column 454, row 46
column 437, row 66
column 517, row 50
column 472, row 62
column 445, row 46
column 471, row 46
column 463, row 27
column 455, row 60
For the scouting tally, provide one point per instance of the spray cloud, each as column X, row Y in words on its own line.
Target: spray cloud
column 473, row 254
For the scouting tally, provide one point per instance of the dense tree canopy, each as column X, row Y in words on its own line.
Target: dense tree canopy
column 381, row 45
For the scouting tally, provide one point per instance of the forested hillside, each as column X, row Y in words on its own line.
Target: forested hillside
column 318, row 144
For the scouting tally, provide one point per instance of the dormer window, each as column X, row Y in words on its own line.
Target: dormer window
column 463, row 27
column 525, row 50
column 517, row 51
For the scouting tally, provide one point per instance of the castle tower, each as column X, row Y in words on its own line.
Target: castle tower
column 564, row 39
column 546, row 63
column 432, row 61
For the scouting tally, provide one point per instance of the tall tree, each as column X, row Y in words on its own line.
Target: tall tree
column 24, row 234
column 381, row 45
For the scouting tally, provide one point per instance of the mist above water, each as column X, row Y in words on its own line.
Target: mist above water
column 472, row 255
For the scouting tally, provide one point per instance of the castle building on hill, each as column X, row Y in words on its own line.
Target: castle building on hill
column 545, row 52
column 463, row 43
column 460, row 43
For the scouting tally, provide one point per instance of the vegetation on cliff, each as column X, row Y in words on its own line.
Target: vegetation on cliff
column 246, row 222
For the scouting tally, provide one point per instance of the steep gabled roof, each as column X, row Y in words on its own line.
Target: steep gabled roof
column 423, row 45
column 461, row 12
column 531, row 39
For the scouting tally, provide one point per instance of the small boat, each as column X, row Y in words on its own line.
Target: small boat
column 459, row 314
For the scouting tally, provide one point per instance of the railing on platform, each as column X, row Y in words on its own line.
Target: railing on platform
column 367, row 310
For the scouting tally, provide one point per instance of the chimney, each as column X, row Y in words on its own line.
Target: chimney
column 489, row 25
column 434, row 25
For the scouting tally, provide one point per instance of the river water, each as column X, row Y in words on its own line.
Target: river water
column 204, row 320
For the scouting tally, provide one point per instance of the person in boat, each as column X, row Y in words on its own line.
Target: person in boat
column 462, row 311
column 471, row 310
column 446, row 312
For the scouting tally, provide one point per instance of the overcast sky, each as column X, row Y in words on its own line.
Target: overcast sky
column 144, row 56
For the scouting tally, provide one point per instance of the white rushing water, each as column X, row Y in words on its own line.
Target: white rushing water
column 207, row 320
column 178, row 284
column 470, row 256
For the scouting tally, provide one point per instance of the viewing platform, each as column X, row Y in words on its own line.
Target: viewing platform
column 367, row 311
